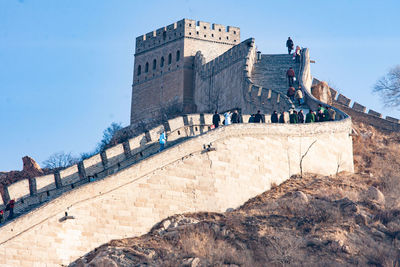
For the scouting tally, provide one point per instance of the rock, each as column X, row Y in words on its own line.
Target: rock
column 376, row 195
column 166, row 224
column 101, row 260
column 360, row 219
column 322, row 92
column 300, row 197
column 346, row 249
column 30, row 167
column 336, row 245
column 195, row 262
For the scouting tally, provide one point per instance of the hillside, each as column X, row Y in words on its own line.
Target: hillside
column 346, row 219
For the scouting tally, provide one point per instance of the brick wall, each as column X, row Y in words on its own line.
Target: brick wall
column 183, row 178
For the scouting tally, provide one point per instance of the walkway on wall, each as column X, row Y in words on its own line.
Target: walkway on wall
column 270, row 72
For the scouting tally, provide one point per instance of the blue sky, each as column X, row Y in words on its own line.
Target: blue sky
column 66, row 65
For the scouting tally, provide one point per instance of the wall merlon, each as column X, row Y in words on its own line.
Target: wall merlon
column 391, row 119
column 343, row 100
column 19, row 189
column 359, row 107
column 69, row 175
column 45, row 183
column 374, row 113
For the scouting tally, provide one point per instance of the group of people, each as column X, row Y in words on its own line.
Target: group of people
column 322, row 114
column 229, row 118
column 290, row 47
column 295, row 95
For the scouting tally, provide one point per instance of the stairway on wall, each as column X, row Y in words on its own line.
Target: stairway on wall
column 270, row 72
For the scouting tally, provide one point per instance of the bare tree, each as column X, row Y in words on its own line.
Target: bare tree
column 303, row 156
column 389, row 87
column 60, row 160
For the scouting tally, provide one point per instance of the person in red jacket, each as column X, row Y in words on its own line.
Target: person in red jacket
column 290, row 75
column 10, row 207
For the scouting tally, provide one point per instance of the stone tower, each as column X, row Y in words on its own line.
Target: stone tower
column 163, row 78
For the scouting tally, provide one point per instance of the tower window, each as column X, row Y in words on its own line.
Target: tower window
column 178, row 55
column 139, row 70
column 169, row 59
column 164, row 35
column 146, row 69
column 154, row 64
column 162, row 62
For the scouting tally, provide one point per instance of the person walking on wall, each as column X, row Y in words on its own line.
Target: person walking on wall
column 216, row 119
column 300, row 116
column 291, row 76
column 282, row 117
column 299, row 96
column 274, row 117
column 251, row 119
column 235, row 117
column 10, row 207
column 163, row 141
column 289, row 45
column 293, row 117
column 227, row 116
column 291, row 93
column 310, row 117
column 297, row 54
column 258, row 117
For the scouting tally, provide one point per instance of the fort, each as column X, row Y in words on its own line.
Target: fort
column 182, row 73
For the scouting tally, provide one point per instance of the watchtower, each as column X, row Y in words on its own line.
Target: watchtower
column 163, row 79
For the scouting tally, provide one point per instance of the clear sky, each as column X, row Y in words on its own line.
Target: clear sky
column 66, row 65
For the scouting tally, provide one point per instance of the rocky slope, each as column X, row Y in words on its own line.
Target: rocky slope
column 342, row 220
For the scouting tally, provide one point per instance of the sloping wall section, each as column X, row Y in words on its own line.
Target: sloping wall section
column 184, row 178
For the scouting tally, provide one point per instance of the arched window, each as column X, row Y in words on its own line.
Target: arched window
column 162, row 62
column 178, row 55
column 139, row 70
column 154, row 64
column 146, row 69
column 169, row 59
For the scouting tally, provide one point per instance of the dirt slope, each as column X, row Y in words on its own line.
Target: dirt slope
column 342, row 220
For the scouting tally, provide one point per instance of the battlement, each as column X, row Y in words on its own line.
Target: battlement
column 187, row 28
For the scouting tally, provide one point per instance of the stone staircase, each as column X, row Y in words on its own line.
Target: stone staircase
column 270, row 72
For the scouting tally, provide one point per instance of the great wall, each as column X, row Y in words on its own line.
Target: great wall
column 126, row 189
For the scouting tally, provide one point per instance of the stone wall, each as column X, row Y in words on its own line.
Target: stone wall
column 163, row 68
column 183, row 178
column 359, row 111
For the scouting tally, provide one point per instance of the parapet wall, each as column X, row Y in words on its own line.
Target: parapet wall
column 255, row 96
column 183, row 178
column 187, row 28
column 359, row 111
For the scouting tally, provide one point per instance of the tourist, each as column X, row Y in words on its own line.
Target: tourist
column 274, row 117
column 10, row 207
column 289, row 45
column 258, row 117
column 290, row 93
column 1, row 216
column 299, row 96
column 227, row 116
column 163, row 140
column 251, row 119
column 321, row 113
column 326, row 114
column 291, row 76
column 310, row 117
column 293, row 117
column 332, row 114
column 300, row 116
column 297, row 54
column 235, row 117
column 282, row 117
column 216, row 119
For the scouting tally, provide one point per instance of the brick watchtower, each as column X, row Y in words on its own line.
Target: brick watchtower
column 163, row 82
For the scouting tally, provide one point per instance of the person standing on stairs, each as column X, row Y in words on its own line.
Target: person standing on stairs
column 299, row 96
column 290, row 75
column 289, row 45
column 291, row 93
